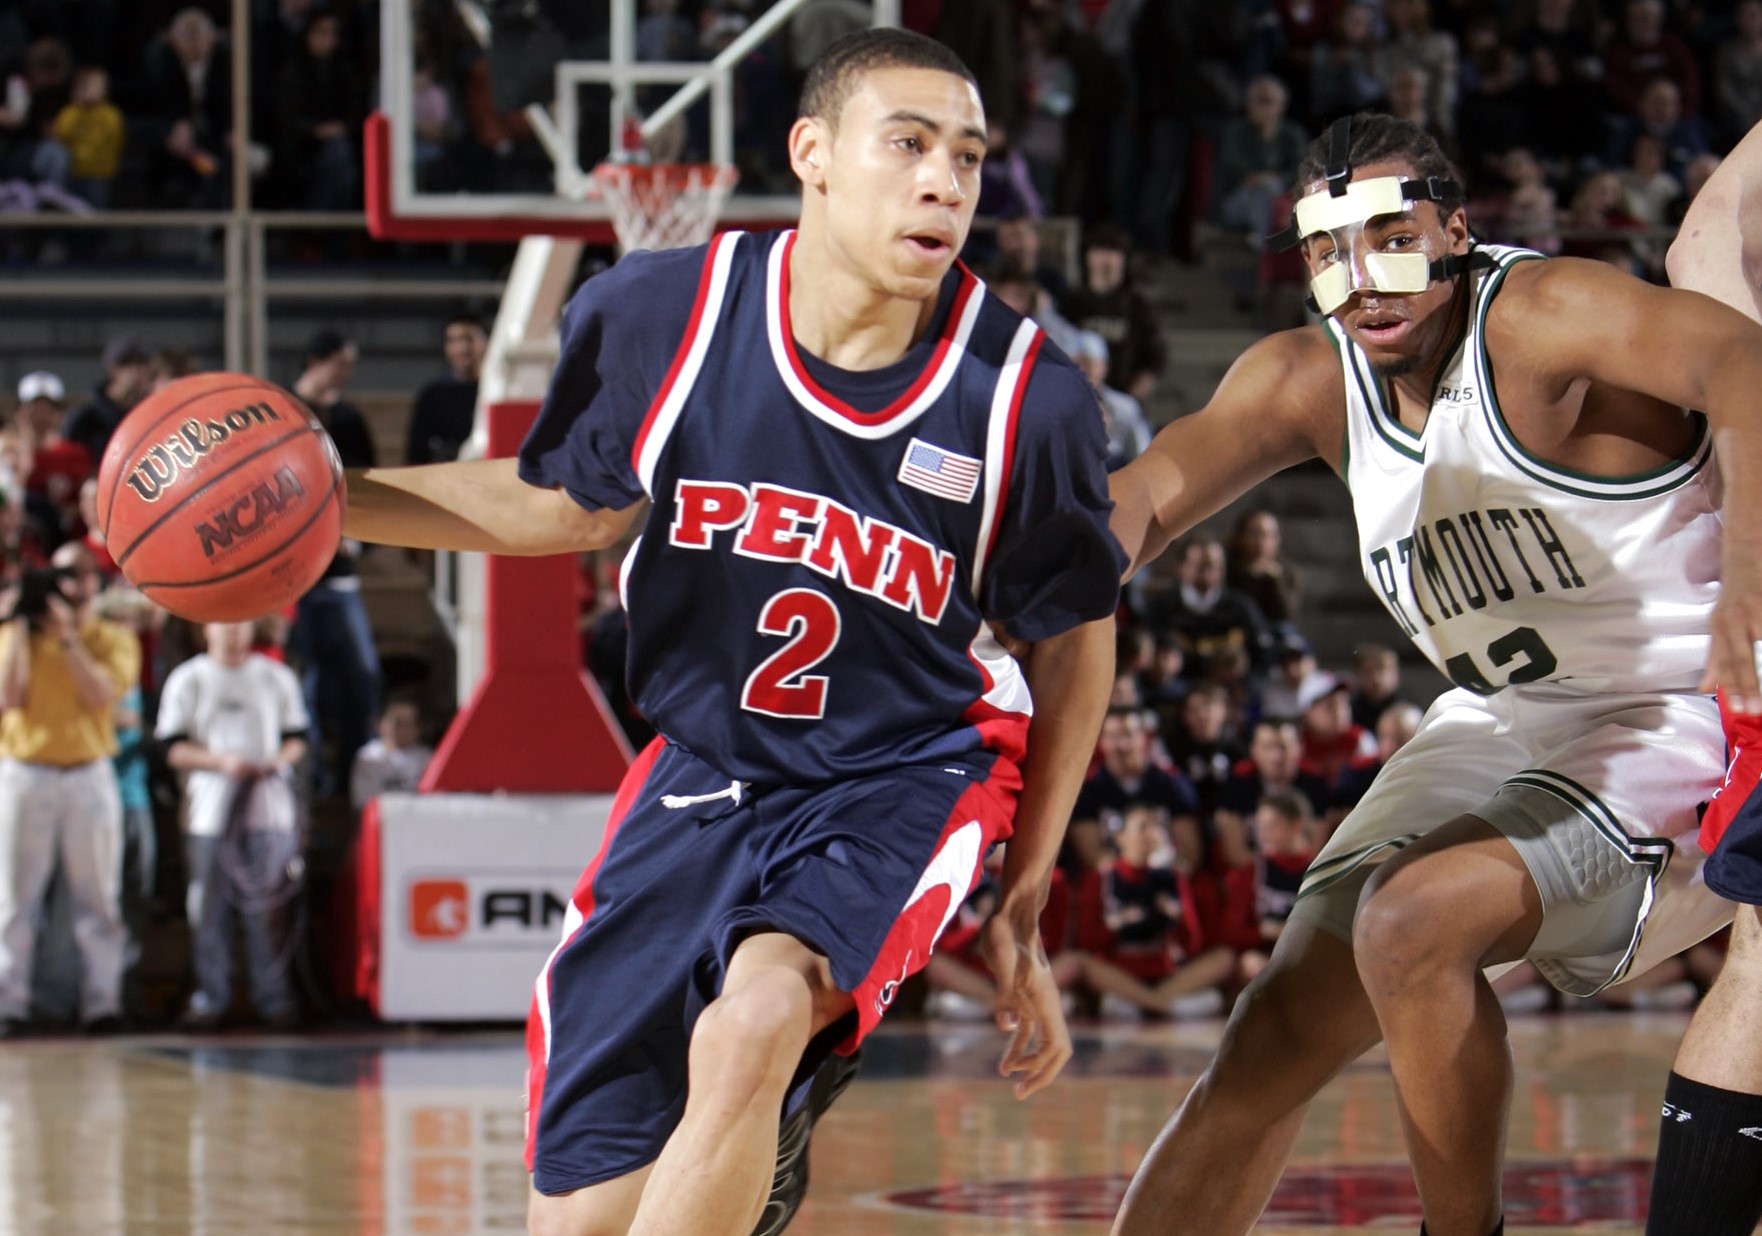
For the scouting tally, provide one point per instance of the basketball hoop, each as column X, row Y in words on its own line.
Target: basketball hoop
column 664, row 205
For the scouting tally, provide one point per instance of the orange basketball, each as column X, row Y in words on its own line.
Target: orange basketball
column 221, row 497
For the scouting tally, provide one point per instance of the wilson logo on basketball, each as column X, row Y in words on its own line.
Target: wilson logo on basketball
column 247, row 514
column 159, row 467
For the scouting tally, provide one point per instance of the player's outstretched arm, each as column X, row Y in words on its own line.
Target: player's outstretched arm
column 479, row 504
column 1282, row 402
column 1718, row 249
column 1069, row 676
column 1687, row 350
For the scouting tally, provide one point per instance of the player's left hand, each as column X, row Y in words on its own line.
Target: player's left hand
column 1028, row 1006
column 1735, row 627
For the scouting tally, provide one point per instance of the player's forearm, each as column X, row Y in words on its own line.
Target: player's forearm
column 1134, row 522
column 1069, row 676
column 15, row 666
column 477, row 505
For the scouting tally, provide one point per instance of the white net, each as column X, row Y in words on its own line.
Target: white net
column 664, row 205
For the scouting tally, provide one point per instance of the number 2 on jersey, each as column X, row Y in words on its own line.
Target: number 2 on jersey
column 781, row 686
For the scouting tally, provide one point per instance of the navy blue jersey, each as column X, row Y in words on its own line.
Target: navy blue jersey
column 809, row 597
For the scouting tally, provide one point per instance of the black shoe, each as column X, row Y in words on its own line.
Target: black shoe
column 103, row 1027
column 789, row 1183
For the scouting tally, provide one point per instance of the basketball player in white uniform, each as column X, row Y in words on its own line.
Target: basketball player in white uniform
column 1539, row 511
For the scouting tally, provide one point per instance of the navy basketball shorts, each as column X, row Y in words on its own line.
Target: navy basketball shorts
column 1731, row 829
column 867, row 871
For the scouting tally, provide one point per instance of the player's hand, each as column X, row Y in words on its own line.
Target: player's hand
column 63, row 621
column 1028, row 1006
column 235, row 766
column 1736, row 626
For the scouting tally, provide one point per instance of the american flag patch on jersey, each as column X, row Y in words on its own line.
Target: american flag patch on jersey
column 939, row 472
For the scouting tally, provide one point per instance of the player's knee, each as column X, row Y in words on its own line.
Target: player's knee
column 1392, row 937
column 557, row 1216
column 751, row 1038
column 1267, row 1019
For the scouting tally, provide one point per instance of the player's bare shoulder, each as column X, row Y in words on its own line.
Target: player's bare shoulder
column 1293, row 385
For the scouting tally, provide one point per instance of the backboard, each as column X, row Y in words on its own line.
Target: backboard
column 464, row 147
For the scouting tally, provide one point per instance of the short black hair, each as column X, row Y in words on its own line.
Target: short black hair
column 1377, row 138
column 465, row 317
column 325, row 344
column 834, row 76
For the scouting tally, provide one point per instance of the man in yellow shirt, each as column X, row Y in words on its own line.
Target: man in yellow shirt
column 62, row 669
column 92, row 129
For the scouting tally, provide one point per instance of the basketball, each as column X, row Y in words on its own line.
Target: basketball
column 221, row 497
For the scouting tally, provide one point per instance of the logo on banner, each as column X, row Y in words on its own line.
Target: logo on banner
column 494, row 909
column 439, row 909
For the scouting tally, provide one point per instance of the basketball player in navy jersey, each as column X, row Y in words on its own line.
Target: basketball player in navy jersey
column 1580, row 553
column 856, row 459
column 1708, row 1179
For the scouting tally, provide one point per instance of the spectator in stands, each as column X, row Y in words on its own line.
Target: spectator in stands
column 62, row 670
column 1661, row 115
column 1494, row 116
column 34, row 97
column 1257, row 160
column 1201, row 743
column 54, row 467
column 1644, row 50
column 140, row 834
column 1259, row 893
column 1294, row 664
column 188, row 104
column 1006, row 183
column 234, row 722
column 126, row 372
column 1274, row 764
column 662, row 34
column 1394, row 729
column 169, row 364
column 91, row 128
column 1412, row 43
column 1376, row 684
column 1333, row 747
column 20, row 547
column 1531, row 217
column 1019, row 253
column 94, row 539
column 1023, row 293
column 446, row 408
column 1256, row 568
column 1128, row 430
column 1049, row 93
column 983, row 34
column 1127, row 775
column 331, row 638
column 1564, row 114
column 395, row 759
column 1206, row 613
column 321, row 107
column 1737, row 74
column 1566, row 29
column 1110, row 305
column 1601, row 218
column 1139, row 931
column 1343, row 70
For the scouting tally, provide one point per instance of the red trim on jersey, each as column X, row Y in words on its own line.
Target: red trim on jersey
column 536, row 1059
column 1000, row 730
column 692, row 326
column 990, row 803
column 931, row 368
column 1007, row 465
column 1743, row 773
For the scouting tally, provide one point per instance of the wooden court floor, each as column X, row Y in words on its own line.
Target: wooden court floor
column 406, row 1134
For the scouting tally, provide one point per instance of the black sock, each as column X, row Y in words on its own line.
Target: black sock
column 1708, row 1178
column 1498, row 1231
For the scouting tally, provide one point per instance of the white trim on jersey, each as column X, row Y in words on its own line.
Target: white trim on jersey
column 1009, row 687
column 775, row 312
column 1003, row 401
column 541, row 987
column 692, row 349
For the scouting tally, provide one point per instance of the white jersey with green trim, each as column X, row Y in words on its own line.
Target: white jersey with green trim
column 1505, row 569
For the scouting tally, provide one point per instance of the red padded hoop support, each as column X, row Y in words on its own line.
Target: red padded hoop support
column 536, row 722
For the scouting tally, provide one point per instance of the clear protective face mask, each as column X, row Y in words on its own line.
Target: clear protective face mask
column 1346, row 255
